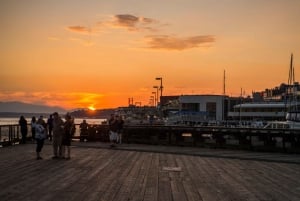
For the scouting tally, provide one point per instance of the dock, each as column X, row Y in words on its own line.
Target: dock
column 139, row 172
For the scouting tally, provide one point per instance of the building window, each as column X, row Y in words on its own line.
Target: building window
column 211, row 109
column 194, row 107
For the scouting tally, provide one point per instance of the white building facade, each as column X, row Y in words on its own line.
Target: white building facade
column 210, row 107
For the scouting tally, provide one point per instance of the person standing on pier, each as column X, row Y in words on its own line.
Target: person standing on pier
column 58, row 130
column 120, row 129
column 50, row 127
column 33, row 123
column 23, row 125
column 84, row 132
column 40, row 136
column 113, row 128
column 43, row 122
column 67, row 136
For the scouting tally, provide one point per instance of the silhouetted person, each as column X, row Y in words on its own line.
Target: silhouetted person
column 120, row 129
column 113, row 128
column 50, row 127
column 43, row 122
column 58, row 130
column 33, row 122
column 24, row 130
column 40, row 136
column 67, row 136
column 84, row 126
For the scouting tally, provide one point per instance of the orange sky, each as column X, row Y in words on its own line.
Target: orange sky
column 76, row 54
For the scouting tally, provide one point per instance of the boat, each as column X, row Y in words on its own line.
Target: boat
column 292, row 118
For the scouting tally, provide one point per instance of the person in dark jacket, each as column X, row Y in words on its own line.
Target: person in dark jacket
column 24, row 130
column 84, row 133
column 50, row 127
column 58, row 131
column 67, row 136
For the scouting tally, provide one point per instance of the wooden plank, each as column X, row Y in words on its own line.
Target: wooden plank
column 139, row 187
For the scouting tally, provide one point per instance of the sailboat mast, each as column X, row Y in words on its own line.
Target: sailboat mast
column 291, row 91
column 224, row 84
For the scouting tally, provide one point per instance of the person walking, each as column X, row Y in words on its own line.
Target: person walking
column 50, row 127
column 40, row 136
column 67, row 136
column 33, row 123
column 24, row 130
column 58, row 130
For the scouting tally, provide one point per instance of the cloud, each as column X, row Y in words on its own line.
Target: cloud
column 79, row 29
column 126, row 20
column 133, row 23
column 175, row 43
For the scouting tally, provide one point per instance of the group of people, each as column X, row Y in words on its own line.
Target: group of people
column 58, row 131
column 48, row 126
column 115, row 129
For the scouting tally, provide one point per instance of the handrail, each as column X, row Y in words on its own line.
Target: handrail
column 9, row 134
column 283, row 140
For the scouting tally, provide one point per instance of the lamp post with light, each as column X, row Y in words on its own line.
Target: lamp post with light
column 155, row 98
column 157, row 88
column 160, row 88
column 152, row 100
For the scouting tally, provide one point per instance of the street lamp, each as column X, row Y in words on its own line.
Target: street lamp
column 157, row 88
column 155, row 98
column 152, row 100
column 161, row 86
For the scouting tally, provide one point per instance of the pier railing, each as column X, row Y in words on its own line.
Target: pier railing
column 283, row 140
column 9, row 134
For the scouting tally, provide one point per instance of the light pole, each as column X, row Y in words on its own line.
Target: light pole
column 155, row 98
column 157, row 88
column 152, row 100
column 161, row 87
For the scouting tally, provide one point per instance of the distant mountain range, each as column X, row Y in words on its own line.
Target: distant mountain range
column 20, row 107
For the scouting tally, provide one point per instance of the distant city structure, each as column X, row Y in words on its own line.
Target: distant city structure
column 273, row 104
column 270, row 104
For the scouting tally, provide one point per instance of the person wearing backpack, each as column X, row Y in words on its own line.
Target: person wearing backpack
column 40, row 136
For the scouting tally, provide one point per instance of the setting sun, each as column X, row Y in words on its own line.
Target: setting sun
column 92, row 108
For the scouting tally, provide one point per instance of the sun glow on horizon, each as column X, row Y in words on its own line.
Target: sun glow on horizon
column 92, row 108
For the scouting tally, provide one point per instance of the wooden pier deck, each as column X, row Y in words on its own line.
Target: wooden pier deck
column 134, row 172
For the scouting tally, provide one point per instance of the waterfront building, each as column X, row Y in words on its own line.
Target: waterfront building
column 258, row 111
column 194, row 109
column 210, row 107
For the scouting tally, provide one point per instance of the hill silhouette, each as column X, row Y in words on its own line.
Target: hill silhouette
column 20, row 107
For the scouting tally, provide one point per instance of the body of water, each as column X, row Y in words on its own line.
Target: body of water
column 13, row 121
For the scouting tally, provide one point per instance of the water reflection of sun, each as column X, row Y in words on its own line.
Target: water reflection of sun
column 92, row 108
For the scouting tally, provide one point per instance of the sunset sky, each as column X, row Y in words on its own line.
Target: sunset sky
column 78, row 54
